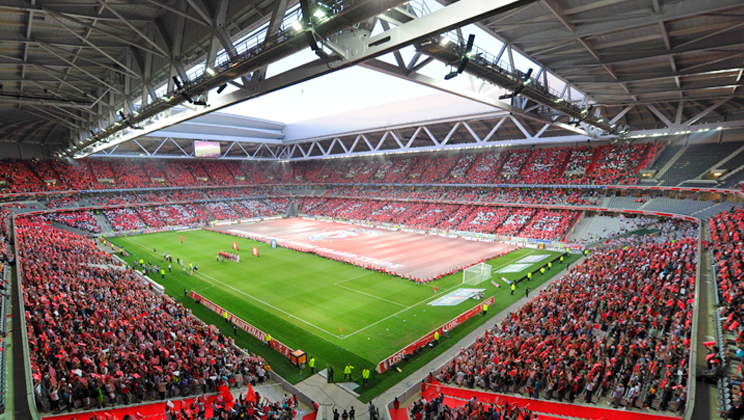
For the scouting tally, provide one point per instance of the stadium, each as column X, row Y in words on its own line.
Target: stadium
column 322, row 209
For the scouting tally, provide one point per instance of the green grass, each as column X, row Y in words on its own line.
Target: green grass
column 336, row 312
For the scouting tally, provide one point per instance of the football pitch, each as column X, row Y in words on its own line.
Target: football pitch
column 336, row 312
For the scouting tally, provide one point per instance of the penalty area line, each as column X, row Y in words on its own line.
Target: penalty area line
column 444, row 291
column 269, row 305
column 338, row 284
column 202, row 275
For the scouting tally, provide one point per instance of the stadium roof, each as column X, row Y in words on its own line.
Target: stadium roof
column 91, row 73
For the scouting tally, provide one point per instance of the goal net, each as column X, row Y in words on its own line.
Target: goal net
column 476, row 274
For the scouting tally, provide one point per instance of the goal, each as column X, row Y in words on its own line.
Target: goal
column 476, row 274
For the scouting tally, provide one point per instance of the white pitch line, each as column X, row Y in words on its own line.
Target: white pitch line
column 338, row 284
column 257, row 299
column 206, row 288
column 268, row 304
column 353, row 278
column 405, row 309
column 320, row 329
column 513, row 262
column 372, row 296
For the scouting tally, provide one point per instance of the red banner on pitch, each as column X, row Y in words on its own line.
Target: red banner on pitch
column 235, row 246
column 255, row 251
column 250, row 329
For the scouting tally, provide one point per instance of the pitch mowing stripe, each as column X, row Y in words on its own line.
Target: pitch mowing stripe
column 458, row 285
column 269, row 305
column 419, row 303
column 200, row 274
column 203, row 277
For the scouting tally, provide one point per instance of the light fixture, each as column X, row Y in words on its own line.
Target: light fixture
column 297, row 25
column 463, row 59
column 319, row 13
column 445, row 40
column 221, row 88
column 209, row 71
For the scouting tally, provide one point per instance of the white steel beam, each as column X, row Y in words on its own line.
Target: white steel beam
column 389, row 69
column 214, row 137
column 453, row 16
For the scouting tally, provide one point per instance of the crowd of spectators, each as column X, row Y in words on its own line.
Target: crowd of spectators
column 453, row 219
column 541, row 196
column 18, row 177
column 59, row 202
column 507, row 221
column 580, row 159
column 363, row 170
column 153, row 219
column 609, row 164
column 124, row 220
column 501, row 195
column 433, row 193
column 75, row 175
column 582, row 197
column 129, row 174
column 431, row 216
column 265, row 208
column 45, row 172
column 279, row 172
column 726, row 237
column 616, row 326
column 195, row 167
column 463, row 194
column 484, row 219
column 461, row 167
column 179, row 174
column 513, row 165
column 83, row 220
column 617, row 163
column 191, row 214
column 218, row 173
column 99, row 337
column 224, row 210
column 517, row 219
column 549, row 224
column 439, row 408
column 436, row 168
column 544, row 166
column 394, row 170
column 101, row 169
column 485, row 169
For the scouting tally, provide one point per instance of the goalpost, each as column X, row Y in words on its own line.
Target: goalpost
column 476, row 274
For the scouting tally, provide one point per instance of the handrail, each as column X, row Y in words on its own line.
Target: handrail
column 24, row 196
column 692, row 365
column 21, row 313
